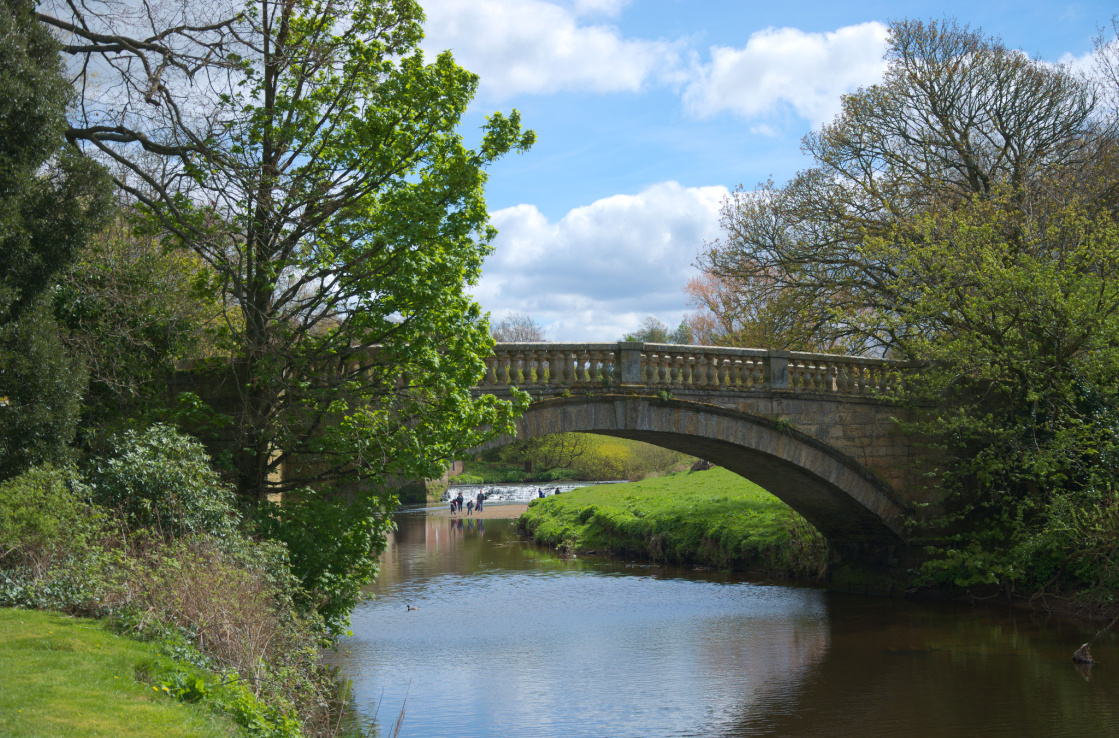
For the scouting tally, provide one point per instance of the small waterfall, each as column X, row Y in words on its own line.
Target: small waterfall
column 523, row 492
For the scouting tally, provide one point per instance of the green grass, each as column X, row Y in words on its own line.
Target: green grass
column 497, row 472
column 713, row 518
column 63, row 676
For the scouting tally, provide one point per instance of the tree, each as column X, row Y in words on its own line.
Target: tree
column 308, row 154
column 1021, row 337
column 51, row 199
column 733, row 311
column 654, row 331
column 518, row 328
column 957, row 115
column 130, row 306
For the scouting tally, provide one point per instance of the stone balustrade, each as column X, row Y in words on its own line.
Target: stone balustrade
column 670, row 366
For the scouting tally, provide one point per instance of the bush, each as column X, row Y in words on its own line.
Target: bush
column 44, row 516
column 162, row 479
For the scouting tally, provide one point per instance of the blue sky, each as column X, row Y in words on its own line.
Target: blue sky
column 648, row 111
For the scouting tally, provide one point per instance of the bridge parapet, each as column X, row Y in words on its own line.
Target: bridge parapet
column 671, row 366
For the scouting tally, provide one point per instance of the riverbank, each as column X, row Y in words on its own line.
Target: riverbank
column 67, row 676
column 489, row 512
column 710, row 518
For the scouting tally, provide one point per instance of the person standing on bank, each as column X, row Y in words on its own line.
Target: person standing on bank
column 481, row 499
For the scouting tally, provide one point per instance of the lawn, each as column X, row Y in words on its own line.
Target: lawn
column 714, row 518
column 63, row 676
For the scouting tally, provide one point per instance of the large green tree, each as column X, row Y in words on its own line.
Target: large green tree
column 962, row 213
column 956, row 115
column 51, row 199
column 309, row 154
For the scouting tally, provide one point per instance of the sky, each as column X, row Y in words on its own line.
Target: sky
column 649, row 112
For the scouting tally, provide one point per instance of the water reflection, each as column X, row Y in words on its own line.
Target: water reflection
column 510, row 639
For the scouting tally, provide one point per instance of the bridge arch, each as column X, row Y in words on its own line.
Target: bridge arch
column 846, row 502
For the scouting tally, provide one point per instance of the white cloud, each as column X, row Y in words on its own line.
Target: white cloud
column 1084, row 64
column 601, row 7
column 786, row 67
column 604, row 267
column 532, row 46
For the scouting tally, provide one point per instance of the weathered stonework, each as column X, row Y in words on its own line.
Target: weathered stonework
column 842, row 463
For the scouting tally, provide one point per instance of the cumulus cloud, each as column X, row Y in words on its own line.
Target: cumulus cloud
column 783, row 68
column 602, row 268
column 532, row 46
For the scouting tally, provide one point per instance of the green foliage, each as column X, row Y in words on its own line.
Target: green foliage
column 1015, row 307
column 40, row 393
column 163, row 479
column 713, row 518
column 51, row 198
column 344, row 217
column 333, row 546
column 130, row 306
column 44, row 516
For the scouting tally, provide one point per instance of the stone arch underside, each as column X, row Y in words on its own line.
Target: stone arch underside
column 841, row 498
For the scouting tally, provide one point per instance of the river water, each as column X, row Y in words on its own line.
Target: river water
column 511, row 640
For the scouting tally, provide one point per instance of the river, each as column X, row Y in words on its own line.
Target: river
column 511, row 640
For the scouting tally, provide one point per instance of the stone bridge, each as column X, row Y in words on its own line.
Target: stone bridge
column 819, row 431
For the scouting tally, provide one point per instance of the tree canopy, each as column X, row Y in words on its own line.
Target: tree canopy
column 957, row 116
column 309, row 154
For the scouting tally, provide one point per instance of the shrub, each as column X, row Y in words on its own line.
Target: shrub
column 162, row 479
column 44, row 517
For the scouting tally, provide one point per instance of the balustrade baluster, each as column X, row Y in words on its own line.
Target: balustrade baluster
column 815, row 374
column 537, row 367
column 698, row 365
column 734, row 372
column 491, row 363
column 560, row 360
column 720, row 371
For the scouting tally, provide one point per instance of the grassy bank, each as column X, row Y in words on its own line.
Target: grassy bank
column 66, row 676
column 711, row 518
